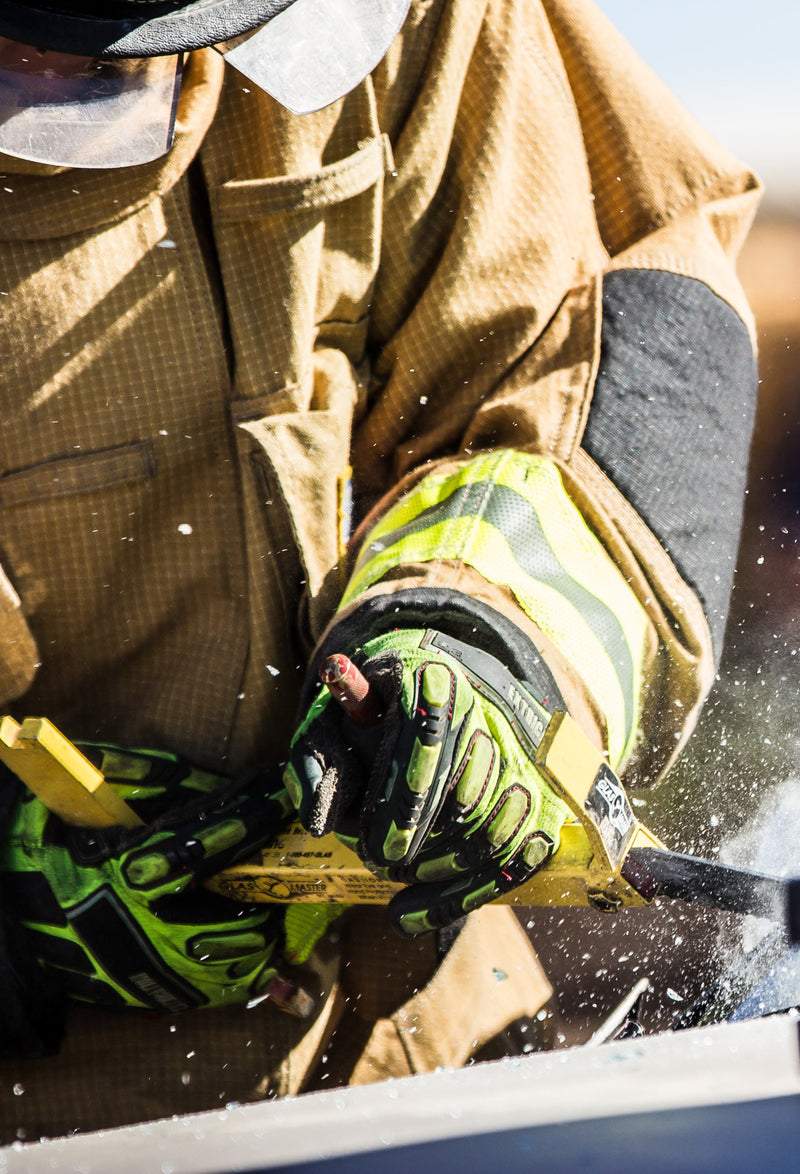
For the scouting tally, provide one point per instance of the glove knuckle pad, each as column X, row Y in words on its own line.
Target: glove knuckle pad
column 508, row 816
column 474, row 771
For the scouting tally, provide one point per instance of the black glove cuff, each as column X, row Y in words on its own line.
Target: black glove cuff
column 451, row 612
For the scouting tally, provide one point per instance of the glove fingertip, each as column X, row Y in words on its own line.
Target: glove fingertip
column 412, row 923
column 304, row 780
column 293, row 786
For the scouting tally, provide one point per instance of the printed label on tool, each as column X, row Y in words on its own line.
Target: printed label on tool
column 611, row 813
column 333, row 887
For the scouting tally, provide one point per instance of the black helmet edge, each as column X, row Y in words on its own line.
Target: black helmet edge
column 137, row 29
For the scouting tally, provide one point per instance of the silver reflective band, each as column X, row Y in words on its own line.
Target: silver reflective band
column 71, row 111
column 316, row 51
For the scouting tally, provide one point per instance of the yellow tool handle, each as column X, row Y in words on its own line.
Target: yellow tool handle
column 58, row 774
column 586, row 869
column 297, row 868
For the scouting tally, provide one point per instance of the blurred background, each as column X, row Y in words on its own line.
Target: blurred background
column 733, row 63
column 736, row 792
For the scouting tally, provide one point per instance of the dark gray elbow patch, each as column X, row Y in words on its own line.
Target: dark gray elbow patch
column 671, row 421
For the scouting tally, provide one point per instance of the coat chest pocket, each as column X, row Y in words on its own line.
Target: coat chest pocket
column 299, row 255
column 61, row 524
column 63, row 519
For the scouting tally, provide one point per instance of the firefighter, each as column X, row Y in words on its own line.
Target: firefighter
column 408, row 330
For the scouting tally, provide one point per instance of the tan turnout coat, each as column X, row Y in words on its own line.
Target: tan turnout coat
column 193, row 352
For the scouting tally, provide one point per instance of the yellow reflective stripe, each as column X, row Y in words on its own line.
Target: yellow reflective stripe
column 491, row 555
column 507, row 514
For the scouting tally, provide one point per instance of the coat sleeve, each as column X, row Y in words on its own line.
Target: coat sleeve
column 537, row 157
column 534, row 153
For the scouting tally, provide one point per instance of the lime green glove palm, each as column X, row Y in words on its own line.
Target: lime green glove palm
column 447, row 799
column 118, row 916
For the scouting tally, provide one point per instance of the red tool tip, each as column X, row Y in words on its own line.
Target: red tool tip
column 350, row 688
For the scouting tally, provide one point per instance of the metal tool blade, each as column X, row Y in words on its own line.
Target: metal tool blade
column 706, row 882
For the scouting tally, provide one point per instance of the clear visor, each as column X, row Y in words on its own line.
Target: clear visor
column 84, row 112
column 316, row 51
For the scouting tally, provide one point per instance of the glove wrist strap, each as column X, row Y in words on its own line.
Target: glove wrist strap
column 456, row 614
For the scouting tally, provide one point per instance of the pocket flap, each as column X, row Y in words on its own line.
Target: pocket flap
column 309, row 453
column 19, row 656
column 249, row 199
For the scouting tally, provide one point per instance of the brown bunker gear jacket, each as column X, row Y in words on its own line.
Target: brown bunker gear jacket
column 199, row 354
column 194, row 352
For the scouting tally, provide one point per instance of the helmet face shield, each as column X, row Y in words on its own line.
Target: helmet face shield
column 71, row 111
column 101, row 90
column 316, row 51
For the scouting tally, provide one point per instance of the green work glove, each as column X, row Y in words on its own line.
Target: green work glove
column 447, row 798
column 117, row 916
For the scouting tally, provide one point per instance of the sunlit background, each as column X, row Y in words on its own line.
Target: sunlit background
column 734, row 65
